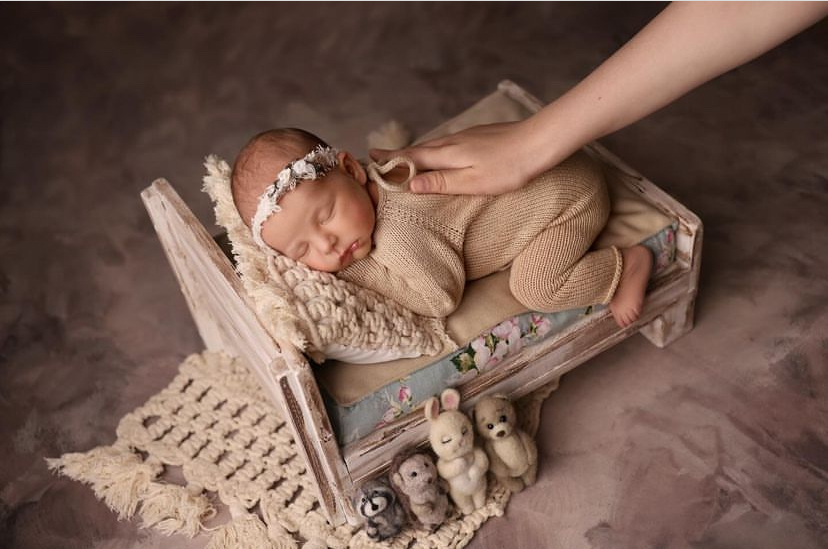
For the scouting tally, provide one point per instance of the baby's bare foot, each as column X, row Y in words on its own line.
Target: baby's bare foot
column 628, row 300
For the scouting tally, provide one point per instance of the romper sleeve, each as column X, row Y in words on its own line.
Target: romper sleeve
column 418, row 269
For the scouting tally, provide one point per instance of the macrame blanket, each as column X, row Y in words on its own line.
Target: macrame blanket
column 215, row 427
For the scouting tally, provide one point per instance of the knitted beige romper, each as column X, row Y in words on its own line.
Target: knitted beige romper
column 427, row 246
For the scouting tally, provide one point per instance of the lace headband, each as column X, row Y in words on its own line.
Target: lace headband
column 317, row 163
column 314, row 165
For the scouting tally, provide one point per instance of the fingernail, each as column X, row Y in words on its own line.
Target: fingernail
column 417, row 186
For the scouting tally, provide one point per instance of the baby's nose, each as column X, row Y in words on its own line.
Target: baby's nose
column 327, row 242
column 332, row 241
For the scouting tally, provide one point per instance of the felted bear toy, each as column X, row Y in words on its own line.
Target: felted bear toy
column 462, row 464
column 513, row 455
column 377, row 503
column 420, row 490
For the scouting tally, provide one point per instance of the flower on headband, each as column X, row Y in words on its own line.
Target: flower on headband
column 298, row 167
column 281, row 182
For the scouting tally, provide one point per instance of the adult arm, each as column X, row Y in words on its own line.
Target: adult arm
column 686, row 45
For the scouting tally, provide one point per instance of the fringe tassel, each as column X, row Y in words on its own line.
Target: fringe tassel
column 117, row 476
column 315, row 544
column 276, row 532
column 313, row 527
column 246, row 531
column 175, row 510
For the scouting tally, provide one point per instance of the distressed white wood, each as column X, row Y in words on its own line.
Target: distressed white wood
column 315, row 435
column 673, row 322
column 219, row 305
column 226, row 321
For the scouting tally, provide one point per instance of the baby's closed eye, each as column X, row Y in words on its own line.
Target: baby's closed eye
column 327, row 215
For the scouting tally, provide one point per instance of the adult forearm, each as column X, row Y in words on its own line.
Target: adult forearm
column 686, row 45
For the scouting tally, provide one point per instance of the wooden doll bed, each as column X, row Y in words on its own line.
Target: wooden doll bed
column 227, row 322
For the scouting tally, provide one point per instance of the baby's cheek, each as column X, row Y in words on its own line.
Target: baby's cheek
column 364, row 250
column 324, row 265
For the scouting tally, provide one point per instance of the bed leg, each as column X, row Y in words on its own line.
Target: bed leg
column 671, row 324
column 316, row 443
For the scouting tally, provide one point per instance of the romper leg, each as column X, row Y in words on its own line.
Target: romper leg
column 555, row 282
column 556, row 271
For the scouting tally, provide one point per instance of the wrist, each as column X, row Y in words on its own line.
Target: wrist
column 544, row 142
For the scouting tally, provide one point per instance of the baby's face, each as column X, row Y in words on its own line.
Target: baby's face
column 327, row 224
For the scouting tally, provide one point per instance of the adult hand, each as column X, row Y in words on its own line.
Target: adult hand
column 686, row 45
column 488, row 159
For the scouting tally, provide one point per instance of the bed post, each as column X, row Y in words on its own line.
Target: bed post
column 677, row 319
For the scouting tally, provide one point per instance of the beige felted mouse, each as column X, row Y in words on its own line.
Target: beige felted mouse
column 462, row 464
column 513, row 455
column 420, row 490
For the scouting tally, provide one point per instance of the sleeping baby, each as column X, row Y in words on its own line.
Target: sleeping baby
column 325, row 209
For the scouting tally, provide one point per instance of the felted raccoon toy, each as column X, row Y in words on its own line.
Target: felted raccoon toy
column 377, row 503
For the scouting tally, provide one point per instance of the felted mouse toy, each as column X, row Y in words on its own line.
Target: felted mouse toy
column 513, row 455
column 377, row 503
column 420, row 490
column 462, row 464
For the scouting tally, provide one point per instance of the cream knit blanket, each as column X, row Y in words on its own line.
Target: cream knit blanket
column 234, row 450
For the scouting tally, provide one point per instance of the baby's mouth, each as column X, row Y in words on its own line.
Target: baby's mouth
column 348, row 253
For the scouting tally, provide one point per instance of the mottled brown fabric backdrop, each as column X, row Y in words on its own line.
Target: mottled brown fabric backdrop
column 718, row 441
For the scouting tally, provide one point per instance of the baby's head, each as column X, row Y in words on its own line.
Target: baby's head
column 309, row 202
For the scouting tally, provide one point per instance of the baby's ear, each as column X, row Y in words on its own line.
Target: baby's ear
column 450, row 399
column 352, row 167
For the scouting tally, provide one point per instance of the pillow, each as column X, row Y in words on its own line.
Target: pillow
column 315, row 311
